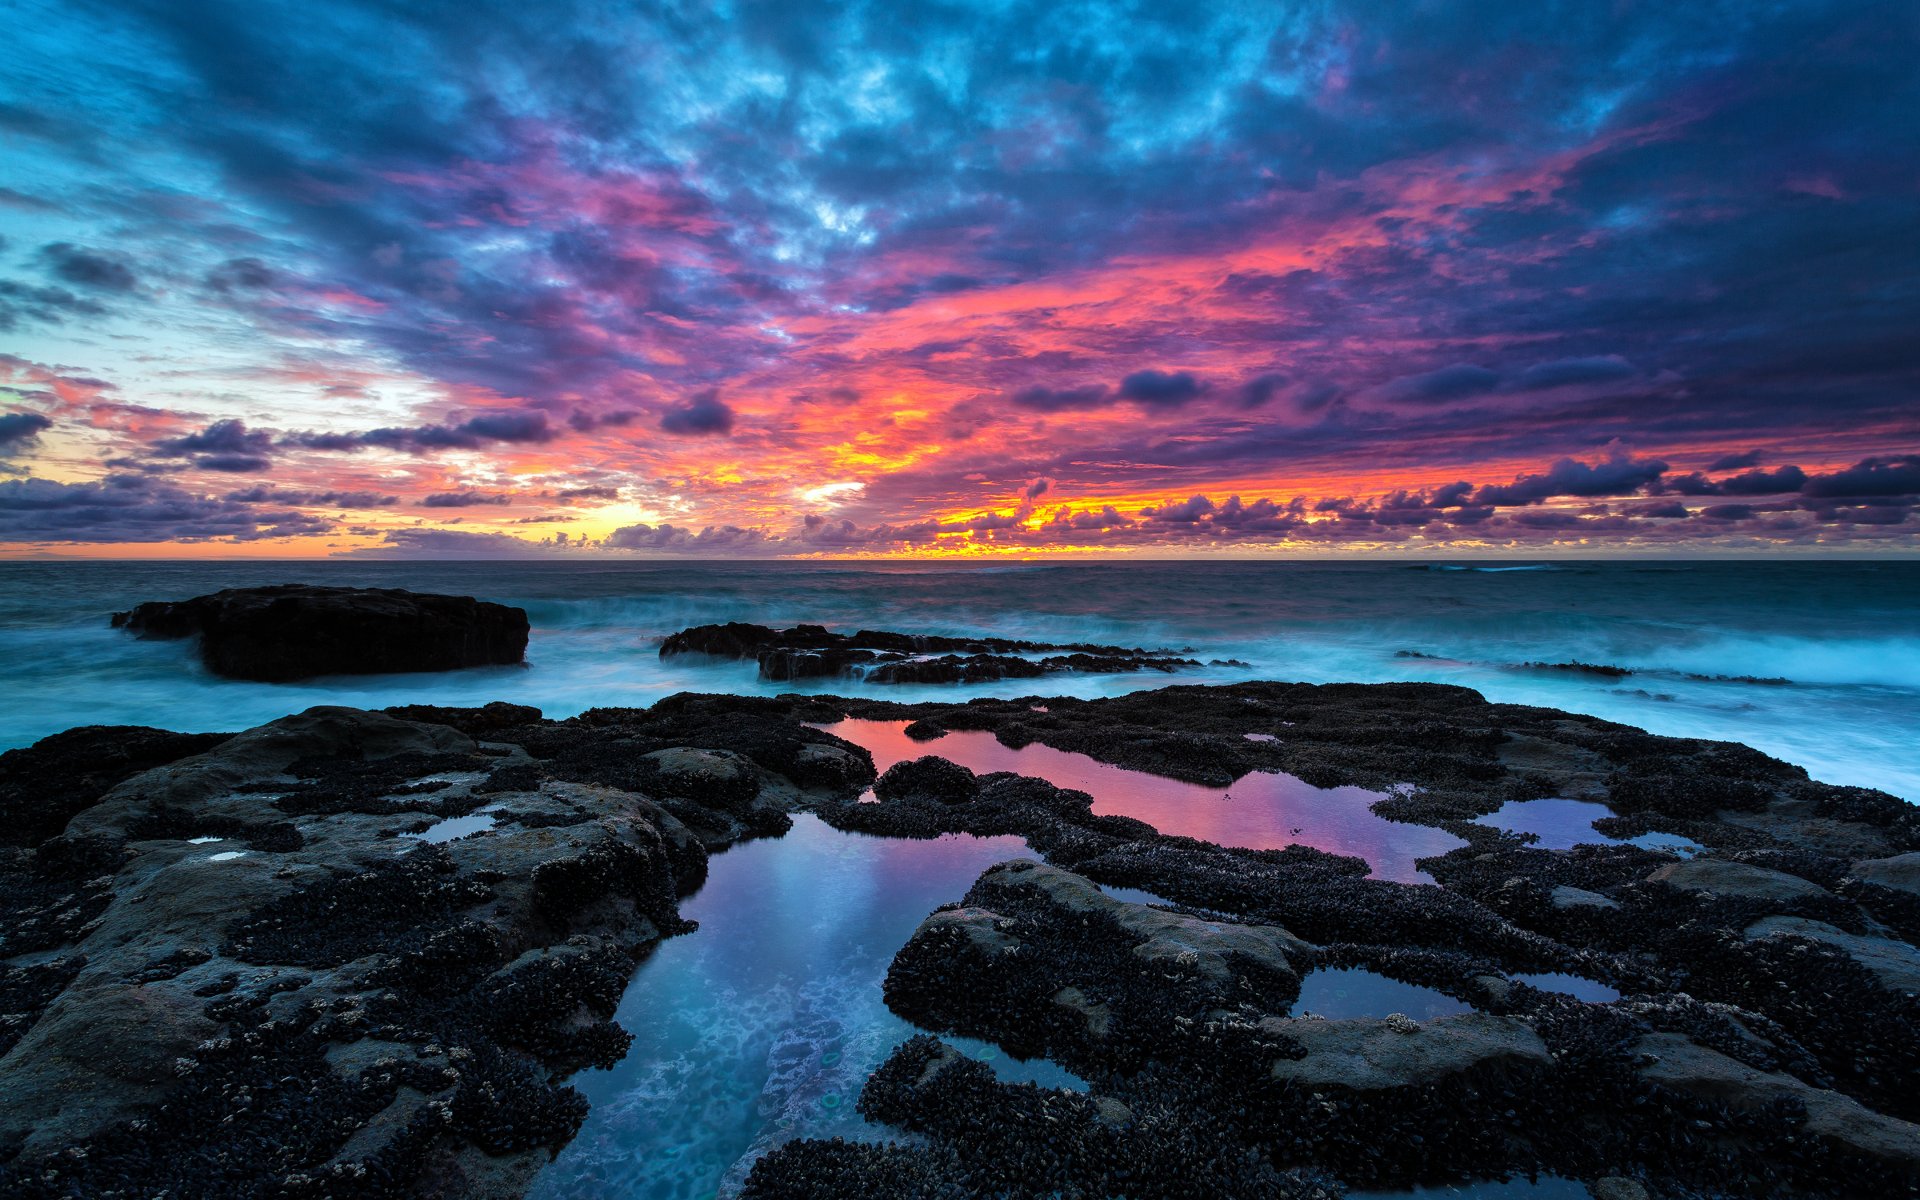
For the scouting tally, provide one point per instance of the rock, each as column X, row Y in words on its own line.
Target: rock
column 813, row 652
column 1896, row 964
column 1724, row 878
column 1209, row 947
column 307, row 1012
column 1901, row 872
column 932, row 776
column 296, row 631
column 43, row 785
column 1566, row 896
column 1674, row 1061
column 1369, row 1056
column 1617, row 1187
column 260, row 756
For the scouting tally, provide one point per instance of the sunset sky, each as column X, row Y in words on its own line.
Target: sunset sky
column 775, row 278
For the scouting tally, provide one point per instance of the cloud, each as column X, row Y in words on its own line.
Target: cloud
column 726, row 538
column 20, row 302
column 1620, row 474
column 20, row 430
column 511, row 427
column 135, row 508
column 702, row 414
column 1764, row 483
column 1897, row 475
column 1049, row 400
column 268, row 494
column 1259, row 390
column 464, row 499
column 1734, row 462
column 1457, row 382
column 452, row 543
column 1161, row 389
column 88, row 269
column 1564, row 371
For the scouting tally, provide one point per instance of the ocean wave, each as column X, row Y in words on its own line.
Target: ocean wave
column 1487, row 570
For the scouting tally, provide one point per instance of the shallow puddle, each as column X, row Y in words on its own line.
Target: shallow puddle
column 1562, row 824
column 1261, row 811
column 1134, row 895
column 1577, row 986
column 1348, row 992
column 764, row 1024
column 457, row 827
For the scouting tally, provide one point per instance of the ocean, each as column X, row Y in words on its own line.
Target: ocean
column 1815, row 662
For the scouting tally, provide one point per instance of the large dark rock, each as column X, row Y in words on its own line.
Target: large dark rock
column 295, row 631
column 878, row 656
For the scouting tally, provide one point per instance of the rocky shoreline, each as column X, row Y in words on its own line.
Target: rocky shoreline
column 327, row 1002
column 883, row 657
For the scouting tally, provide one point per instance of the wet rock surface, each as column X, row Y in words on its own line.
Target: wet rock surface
column 233, row 974
column 813, row 652
column 336, row 1007
column 297, row 631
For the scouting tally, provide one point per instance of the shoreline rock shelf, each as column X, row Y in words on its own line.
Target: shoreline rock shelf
column 289, row 632
column 813, row 652
column 319, row 1005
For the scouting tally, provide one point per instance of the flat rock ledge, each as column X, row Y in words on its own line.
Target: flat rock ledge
column 813, row 652
column 297, row 631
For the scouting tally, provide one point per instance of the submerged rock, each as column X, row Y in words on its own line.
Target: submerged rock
column 813, row 652
column 296, row 631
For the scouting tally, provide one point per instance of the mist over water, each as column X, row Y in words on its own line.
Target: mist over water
column 1845, row 635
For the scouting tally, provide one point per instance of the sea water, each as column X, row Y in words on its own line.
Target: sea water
column 1842, row 636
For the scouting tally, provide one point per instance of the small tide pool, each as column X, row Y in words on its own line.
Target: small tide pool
column 763, row 1025
column 1264, row 810
column 1347, row 992
column 1561, row 824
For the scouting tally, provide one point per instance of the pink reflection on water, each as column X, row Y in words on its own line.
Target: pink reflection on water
column 1264, row 810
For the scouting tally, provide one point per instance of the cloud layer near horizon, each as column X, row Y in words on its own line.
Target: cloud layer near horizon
column 844, row 278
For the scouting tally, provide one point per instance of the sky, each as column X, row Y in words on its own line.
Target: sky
column 493, row 278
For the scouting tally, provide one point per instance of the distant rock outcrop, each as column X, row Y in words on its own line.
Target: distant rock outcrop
column 296, row 631
column 813, row 652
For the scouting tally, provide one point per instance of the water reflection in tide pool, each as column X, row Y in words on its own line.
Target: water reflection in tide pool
column 1562, row 824
column 1347, row 992
column 1261, row 811
column 764, row 1024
